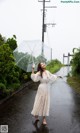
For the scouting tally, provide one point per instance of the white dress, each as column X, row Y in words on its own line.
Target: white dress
column 42, row 99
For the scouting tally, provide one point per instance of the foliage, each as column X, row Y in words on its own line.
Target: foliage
column 74, row 79
column 74, row 82
column 54, row 66
column 75, row 62
column 2, row 39
column 2, row 87
column 15, row 86
column 12, row 42
column 2, row 90
column 9, row 72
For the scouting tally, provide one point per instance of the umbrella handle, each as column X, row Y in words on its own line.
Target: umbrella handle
column 33, row 66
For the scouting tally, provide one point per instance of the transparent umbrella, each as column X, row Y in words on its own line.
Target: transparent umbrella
column 29, row 53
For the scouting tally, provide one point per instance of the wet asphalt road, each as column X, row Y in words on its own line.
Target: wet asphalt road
column 64, row 110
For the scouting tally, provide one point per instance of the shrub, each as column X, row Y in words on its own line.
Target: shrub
column 2, row 90
column 75, row 62
column 2, row 86
column 15, row 86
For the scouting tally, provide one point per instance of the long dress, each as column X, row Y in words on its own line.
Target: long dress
column 42, row 99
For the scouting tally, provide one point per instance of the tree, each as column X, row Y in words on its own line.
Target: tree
column 11, row 76
column 2, row 39
column 75, row 62
column 54, row 65
column 8, row 72
column 12, row 42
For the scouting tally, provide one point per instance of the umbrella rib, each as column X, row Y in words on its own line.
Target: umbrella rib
column 21, row 59
column 33, row 48
column 31, row 57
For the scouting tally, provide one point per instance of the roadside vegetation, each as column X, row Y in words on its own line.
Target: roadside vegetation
column 11, row 77
column 54, row 66
column 74, row 79
column 74, row 82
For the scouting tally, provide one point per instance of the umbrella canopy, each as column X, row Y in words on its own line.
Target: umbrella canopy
column 29, row 53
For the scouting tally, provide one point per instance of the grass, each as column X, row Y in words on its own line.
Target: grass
column 74, row 82
column 54, row 69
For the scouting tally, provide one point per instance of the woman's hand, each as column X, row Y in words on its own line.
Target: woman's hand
column 33, row 66
column 60, row 76
column 32, row 70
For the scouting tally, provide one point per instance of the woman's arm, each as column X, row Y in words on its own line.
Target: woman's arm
column 35, row 77
column 60, row 77
column 32, row 70
column 54, row 75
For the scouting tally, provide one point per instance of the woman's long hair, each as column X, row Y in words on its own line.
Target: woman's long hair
column 40, row 69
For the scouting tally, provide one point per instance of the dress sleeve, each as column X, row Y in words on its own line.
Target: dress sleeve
column 52, row 77
column 35, row 77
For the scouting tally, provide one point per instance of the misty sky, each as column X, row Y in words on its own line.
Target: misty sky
column 24, row 19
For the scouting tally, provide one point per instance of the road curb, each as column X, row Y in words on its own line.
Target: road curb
column 21, row 88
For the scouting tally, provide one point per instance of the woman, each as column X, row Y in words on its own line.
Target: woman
column 42, row 99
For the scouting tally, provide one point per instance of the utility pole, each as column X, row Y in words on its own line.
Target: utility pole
column 64, row 57
column 44, row 25
column 43, row 28
column 68, row 58
column 68, row 61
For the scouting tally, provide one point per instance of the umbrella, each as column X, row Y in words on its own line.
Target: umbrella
column 29, row 53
